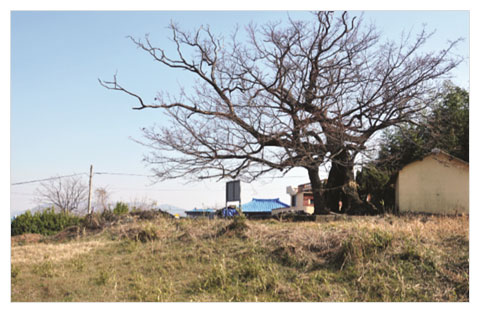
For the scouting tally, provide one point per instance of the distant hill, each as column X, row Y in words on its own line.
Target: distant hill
column 172, row 209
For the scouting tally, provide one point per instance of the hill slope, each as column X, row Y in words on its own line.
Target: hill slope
column 350, row 259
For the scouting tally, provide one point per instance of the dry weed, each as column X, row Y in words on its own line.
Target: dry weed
column 26, row 239
column 52, row 252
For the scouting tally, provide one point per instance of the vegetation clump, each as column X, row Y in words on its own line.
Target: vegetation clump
column 120, row 208
column 148, row 233
column 149, row 214
column 236, row 228
column 46, row 222
column 109, row 216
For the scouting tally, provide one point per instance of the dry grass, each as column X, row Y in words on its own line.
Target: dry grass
column 36, row 253
column 26, row 239
column 387, row 258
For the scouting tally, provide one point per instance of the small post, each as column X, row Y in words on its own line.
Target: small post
column 89, row 208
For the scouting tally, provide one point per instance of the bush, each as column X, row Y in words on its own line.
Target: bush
column 237, row 227
column 120, row 208
column 148, row 233
column 109, row 216
column 145, row 215
column 46, row 222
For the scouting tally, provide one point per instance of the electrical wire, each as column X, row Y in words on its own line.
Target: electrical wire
column 158, row 189
column 122, row 174
column 46, row 179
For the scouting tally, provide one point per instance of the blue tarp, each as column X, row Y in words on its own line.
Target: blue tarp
column 229, row 212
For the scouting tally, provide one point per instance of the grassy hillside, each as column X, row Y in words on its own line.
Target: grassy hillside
column 350, row 259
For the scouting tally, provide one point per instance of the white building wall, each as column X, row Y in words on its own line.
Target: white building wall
column 436, row 184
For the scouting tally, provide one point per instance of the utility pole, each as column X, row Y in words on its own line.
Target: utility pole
column 89, row 209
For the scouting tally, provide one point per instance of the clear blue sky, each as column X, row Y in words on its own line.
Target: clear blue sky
column 62, row 120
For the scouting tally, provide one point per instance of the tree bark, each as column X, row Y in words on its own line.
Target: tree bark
column 341, row 195
column 339, row 176
column 317, row 190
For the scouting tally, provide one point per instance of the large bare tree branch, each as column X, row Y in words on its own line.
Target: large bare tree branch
column 295, row 94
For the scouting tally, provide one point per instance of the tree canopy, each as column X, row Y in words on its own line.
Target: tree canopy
column 444, row 126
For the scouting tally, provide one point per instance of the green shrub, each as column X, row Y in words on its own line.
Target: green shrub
column 46, row 222
column 120, row 208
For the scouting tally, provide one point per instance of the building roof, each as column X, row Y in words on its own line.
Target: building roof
column 263, row 205
column 436, row 152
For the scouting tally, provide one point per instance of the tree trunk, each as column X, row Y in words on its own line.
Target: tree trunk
column 317, row 190
column 339, row 176
column 341, row 193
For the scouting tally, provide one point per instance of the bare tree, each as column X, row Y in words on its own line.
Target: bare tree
column 295, row 94
column 143, row 204
column 102, row 196
column 66, row 194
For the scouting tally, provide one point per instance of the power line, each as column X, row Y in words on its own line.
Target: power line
column 122, row 174
column 76, row 174
column 158, row 189
column 127, row 174
column 45, row 179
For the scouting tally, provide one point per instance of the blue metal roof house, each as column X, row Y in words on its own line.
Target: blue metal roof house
column 261, row 208
column 210, row 213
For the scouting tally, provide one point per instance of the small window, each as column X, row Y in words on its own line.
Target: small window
column 294, row 201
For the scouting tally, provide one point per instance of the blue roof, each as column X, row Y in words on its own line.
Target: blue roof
column 263, row 205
